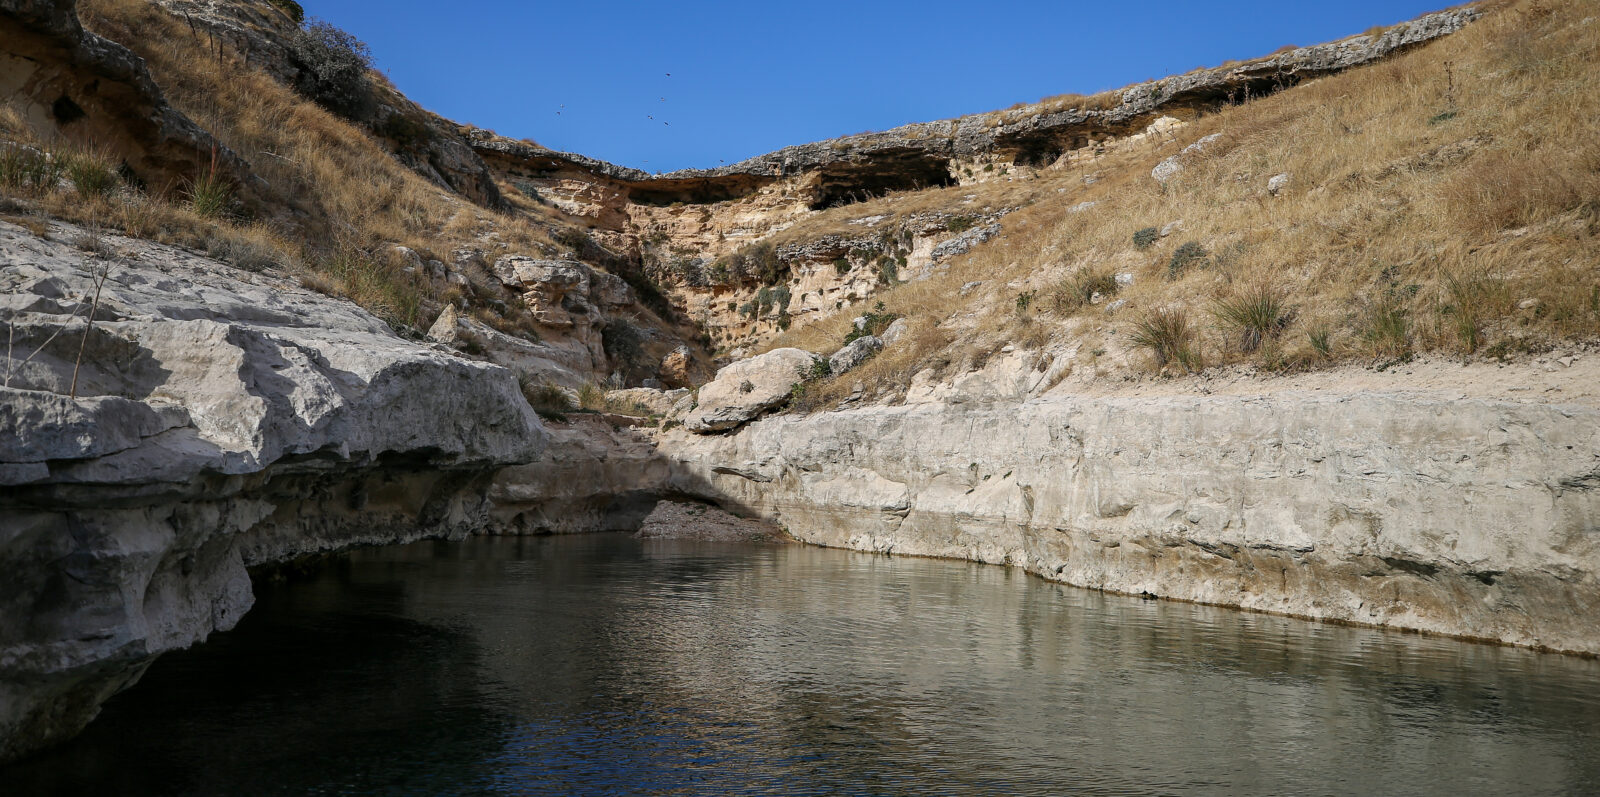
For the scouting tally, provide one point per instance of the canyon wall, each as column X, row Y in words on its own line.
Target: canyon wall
column 1471, row 517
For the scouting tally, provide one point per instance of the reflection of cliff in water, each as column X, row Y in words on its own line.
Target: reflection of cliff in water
column 609, row 665
column 326, row 680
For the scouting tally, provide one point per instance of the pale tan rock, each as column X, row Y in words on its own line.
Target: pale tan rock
column 748, row 388
column 1471, row 517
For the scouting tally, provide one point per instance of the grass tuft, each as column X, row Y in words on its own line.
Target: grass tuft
column 1167, row 335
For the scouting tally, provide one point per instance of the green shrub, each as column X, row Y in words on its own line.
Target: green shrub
column 1320, row 337
column 1190, row 253
column 1146, row 237
column 841, row 266
column 876, row 322
column 210, row 194
column 959, row 223
column 1256, row 316
column 623, row 344
column 1166, row 333
column 334, row 69
column 888, row 272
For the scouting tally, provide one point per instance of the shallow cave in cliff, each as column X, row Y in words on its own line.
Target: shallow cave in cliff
column 850, row 182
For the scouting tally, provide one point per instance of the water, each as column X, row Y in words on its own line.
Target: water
column 605, row 665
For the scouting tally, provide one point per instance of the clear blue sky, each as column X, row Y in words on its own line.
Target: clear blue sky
column 750, row 77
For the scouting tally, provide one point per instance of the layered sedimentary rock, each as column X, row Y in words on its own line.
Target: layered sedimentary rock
column 222, row 420
column 1471, row 517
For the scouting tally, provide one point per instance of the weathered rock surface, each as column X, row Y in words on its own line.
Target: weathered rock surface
column 223, row 420
column 854, row 354
column 651, row 400
column 748, row 388
column 676, row 520
column 1472, row 517
column 592, row 477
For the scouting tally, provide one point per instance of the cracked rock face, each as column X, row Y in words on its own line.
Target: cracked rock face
column 222, row 420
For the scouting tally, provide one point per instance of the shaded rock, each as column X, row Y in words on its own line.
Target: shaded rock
column 677, row 368
column 675, row 520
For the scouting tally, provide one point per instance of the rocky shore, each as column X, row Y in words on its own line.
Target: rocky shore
column 222, row 419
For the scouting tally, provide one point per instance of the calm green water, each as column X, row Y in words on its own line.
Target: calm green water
column 605, row 665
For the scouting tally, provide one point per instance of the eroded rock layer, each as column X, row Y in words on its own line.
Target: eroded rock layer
column 1475, row 518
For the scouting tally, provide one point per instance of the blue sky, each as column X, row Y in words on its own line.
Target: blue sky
column 750, row 77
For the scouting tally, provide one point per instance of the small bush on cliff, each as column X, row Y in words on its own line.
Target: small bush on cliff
column 623, row 344
column 334, row 68
column 1189, row 254
column 1146, row 237
column 292, row 8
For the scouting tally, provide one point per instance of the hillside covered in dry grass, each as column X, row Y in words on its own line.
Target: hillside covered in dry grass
column 1446, row 200
column 1441, row 199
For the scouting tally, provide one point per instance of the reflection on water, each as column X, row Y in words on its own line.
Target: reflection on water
column 605, row 665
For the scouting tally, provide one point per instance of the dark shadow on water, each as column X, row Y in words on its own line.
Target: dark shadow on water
column 607, row 665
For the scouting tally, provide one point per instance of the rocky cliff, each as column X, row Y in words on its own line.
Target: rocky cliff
column 1405, row 508
column 208, row 420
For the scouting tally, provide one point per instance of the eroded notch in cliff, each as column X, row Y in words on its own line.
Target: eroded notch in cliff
column 902, row 169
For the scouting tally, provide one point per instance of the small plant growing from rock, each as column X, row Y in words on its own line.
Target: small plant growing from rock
column 210, row 194
column 841, row 266
column 1146, row 237
column 1190, row 253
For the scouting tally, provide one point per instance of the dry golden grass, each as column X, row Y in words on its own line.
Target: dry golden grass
column 336, row 198
column 1446, row 200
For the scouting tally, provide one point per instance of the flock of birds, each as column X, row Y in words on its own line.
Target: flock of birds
column 647, row 116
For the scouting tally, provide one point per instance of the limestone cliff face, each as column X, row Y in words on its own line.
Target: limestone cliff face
column 1478, row 518
column 684, row 225
column 222, row 420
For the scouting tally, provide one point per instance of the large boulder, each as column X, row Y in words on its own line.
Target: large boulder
column 748, row 388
